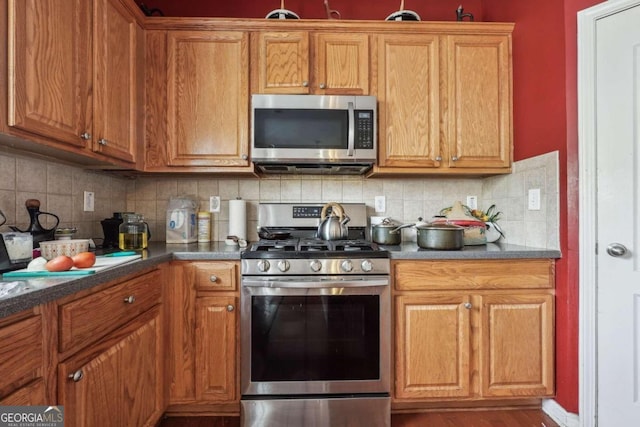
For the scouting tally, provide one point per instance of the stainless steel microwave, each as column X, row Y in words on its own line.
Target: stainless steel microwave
column 314, row 133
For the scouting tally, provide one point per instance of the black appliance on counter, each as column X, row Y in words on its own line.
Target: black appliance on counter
column 315, row 317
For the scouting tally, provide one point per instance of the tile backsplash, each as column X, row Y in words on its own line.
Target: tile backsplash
column 60, row 189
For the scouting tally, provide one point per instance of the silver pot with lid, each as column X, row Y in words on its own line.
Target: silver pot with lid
column 387, row 232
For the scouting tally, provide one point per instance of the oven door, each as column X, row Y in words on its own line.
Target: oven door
column 305, row 335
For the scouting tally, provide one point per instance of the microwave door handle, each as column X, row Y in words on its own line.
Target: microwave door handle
column 352, row 130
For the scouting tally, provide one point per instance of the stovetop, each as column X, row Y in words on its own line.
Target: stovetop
column 310, row 248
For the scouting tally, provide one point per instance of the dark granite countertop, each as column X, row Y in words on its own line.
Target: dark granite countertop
column 37, row 291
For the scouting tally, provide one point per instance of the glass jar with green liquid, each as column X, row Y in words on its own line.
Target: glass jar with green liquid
column 133, row 232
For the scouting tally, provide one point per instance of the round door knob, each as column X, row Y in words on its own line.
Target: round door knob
column 85, row 135
column 130, row 299
column 454, row 158
column 245, row 157
column 323, row 86
column 616, row 250
column 315, row 265
column 283, row 265
column 366, row 265
column 103, row 141
column 230, row 308
column 467, row 305
column 439, row 159
column 346, row 266
column 213, row 278
column 77, row 375
column 305, row 83
column 263, row 265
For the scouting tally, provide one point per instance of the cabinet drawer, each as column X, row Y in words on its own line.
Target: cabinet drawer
column 474, row 274
column 21, row 353
column 214, row 276
column 88, row 319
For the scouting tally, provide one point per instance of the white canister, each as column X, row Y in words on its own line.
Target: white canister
column 204, row 227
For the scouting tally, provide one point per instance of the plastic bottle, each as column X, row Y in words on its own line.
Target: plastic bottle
column 204, row 227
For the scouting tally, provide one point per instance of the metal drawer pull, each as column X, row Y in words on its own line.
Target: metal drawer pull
column 230, row 308
column 103, row 141
column 130, row 299
column 213, row 278
column 77, row 375
column 454, row 158
column 467, row 305
column 85, row 135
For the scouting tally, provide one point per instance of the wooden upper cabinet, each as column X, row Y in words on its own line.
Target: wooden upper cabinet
column 50, row 68
column 116, row 100
column 408, row 101
column 207, row 98
column 479, row 101
column 445, row 103
column 301, row 62
column 72, row 76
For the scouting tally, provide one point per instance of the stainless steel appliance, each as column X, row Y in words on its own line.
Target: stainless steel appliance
column 314, row 134
column 315, row 317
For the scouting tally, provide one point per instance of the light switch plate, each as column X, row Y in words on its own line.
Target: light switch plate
column 534, row 199
column 380, row 204
column 89, row 201
column 214, row 204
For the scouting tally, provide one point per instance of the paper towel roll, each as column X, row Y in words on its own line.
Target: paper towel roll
column 238, row 218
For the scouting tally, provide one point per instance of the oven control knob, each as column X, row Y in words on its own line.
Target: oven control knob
column 366, row 265
column 283, row 265
column 347, row 266
column 315, row 265
column 263, row 265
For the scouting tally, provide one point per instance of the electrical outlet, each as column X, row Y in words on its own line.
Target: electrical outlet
column 214, row 204
column 380, row 204
column 89, row 201
column 534, row 199
column 472, row 202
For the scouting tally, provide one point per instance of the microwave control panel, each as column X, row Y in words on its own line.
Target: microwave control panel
column 364, row 129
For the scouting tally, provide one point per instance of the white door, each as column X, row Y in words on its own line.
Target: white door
column 617, row 109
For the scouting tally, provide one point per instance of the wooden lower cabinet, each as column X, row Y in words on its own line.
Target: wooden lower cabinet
column 215, row 362
column 486, row 336
column 26, row 367
column 202, row 330
column 118, row 377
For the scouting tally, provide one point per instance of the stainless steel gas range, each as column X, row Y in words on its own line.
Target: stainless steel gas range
column 315, row 318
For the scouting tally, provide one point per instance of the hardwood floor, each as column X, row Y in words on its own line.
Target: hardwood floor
column 512, row 418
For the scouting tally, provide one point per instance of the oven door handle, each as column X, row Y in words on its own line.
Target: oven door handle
column 314, row 284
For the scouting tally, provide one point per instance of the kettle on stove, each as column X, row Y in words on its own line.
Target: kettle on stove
column 333, row 226
column 39, row 233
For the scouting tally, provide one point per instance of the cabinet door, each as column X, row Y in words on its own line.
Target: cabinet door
column 517, row 343
column 432, row 344
column 479, row 101
column 341, row 63
column 116, row 383
column 208, row 98
column 408, row 99
column 216, row 325
column 50, row 68
column 283, row 62
column 115, row 100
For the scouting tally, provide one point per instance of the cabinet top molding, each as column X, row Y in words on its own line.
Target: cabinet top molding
column 436, row 27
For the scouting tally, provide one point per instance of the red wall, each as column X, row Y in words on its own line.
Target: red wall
column 544, row 107
column 436, row 10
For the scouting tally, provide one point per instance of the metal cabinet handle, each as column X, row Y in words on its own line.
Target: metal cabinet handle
column 103, row 141
column 77, row 375
column 85, row 135
column 213, row 278
column 230, row 308
column 468, row 305
column 244, row 157
column 305, row 83
column 130, row 299
column 323, row 86
column 439, row 159
column 454, row 158
column 616, row 250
